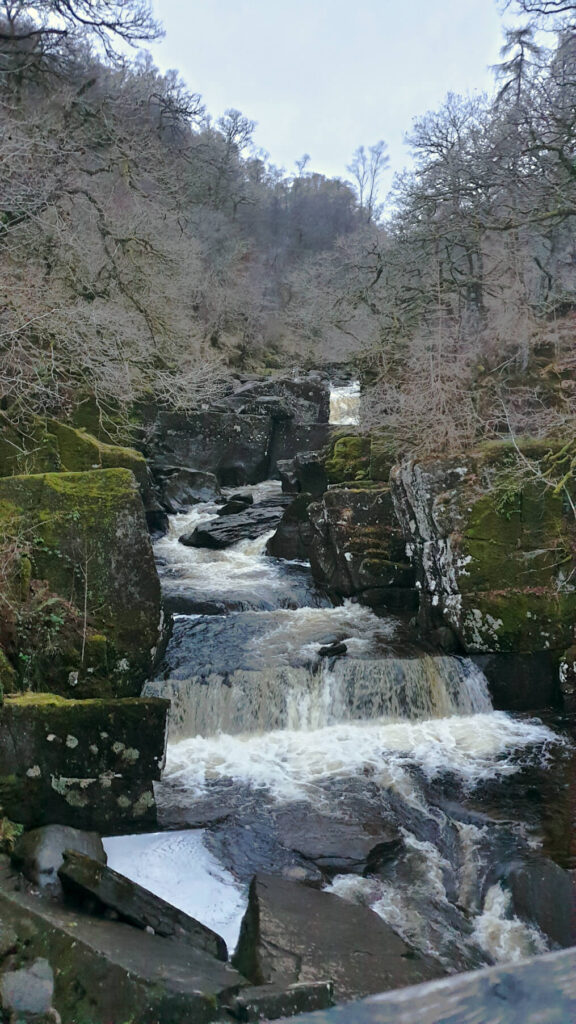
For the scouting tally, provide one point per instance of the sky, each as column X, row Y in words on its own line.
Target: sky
column 326, row 76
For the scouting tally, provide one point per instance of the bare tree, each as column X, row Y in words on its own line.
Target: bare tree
column 366, row 169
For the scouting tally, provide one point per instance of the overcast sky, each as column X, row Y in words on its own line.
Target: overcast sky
column 324, row 76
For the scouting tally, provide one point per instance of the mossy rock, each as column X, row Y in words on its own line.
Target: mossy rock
column 80, row 451
column 516, row 620
column 27, row 447
column 349, row 459
column 88, row 540
column 7, row 676
column 383, row 455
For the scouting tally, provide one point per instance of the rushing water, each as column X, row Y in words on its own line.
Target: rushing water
column 268, row 738
column 345, row 404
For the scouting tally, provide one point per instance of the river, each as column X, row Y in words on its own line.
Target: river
column 284, row 761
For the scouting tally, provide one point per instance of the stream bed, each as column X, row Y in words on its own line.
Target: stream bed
column 384, row 775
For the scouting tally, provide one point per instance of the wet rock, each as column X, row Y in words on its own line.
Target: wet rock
column 40, row 853
column 248, row 844
column 246, row 525
column 179, row 602
column 111, row 971
column 336, row 845
column 233, row 507
column 88, row 763
column 268, row 1002
column 292, row 933
column 293, row 536
column 543, row 894
column 244, row 496
column 28, row 993
column 83, row 877
column 358, row 548
column 181, row 487
column 333, row 650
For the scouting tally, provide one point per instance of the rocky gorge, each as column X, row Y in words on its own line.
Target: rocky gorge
column 346, row 655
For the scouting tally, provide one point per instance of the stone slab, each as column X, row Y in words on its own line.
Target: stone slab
column 109, row 971
column 82, row 876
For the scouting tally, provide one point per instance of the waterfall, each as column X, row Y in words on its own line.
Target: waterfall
column 301, row 698
column 345, row 405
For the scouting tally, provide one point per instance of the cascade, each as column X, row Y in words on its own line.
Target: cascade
column 262, row 727
column 285, row 697
column 345, row 404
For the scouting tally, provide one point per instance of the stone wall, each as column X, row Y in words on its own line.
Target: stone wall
column 87, row 763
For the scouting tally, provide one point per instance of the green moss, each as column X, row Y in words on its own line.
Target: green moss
column 7, row 676
column 383, row 455
column 349, row 459
column 88, row 541
column 518, row 620
column 80, row 451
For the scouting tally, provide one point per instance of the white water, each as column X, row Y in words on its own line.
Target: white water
column 177, row 867
column 256, row 711
column 299, row 698
column 290, row 765
column 345, row 404
column 241, row 572
column 504, row 936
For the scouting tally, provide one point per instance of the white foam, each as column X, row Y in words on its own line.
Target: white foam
column 290, row 764
column 345, row 404
column 504, row 937
column 178, row 867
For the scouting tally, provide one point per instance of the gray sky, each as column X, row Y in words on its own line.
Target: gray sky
column 324, row 76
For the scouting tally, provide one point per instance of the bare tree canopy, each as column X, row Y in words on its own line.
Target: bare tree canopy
column 108, row 21
column 543, row 8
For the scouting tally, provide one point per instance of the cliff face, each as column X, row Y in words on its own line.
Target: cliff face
column 494, row 549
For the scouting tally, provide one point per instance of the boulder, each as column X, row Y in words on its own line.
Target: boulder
column 349, row 458
column 235, row 448
column 292, row 933
column 247, row 525
column 358, row 548
column 493, row 548
column 335, row 845
column 305, row 399
column 288, row 477
column 293, row 536
column 111, row 971
column 83, row 877
column 268, row 1002
column 543, row 894
column 233, row 507
column 181, row 487
column 89, row 764
column 27, row 994
column 40, row 853
column 88, row 594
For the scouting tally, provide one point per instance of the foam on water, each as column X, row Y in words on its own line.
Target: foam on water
column 242, row 571
column 177, row 867
column 505, row 937
column 345, row 404
column 290, row 764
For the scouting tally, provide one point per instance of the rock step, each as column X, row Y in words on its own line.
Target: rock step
column 81, row 876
